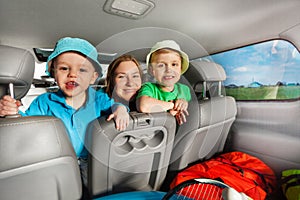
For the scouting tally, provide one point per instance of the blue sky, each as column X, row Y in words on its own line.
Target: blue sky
column 266, row 63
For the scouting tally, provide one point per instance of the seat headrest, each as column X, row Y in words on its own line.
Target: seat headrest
column 209, row 71
column 17, row 67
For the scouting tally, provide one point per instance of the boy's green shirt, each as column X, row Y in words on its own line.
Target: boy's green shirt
column 153, row 90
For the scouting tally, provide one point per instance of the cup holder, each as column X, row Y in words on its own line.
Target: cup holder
column 127, row 143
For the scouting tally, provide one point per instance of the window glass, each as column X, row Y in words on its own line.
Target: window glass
column 265, row 71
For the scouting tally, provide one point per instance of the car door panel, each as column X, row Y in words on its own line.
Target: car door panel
column 270, row 131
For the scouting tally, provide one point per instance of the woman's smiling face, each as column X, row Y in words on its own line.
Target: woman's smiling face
column 127, row 80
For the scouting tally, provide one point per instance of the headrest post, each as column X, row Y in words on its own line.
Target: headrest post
column 204, row 90
column 211, row 75
column 220, row 88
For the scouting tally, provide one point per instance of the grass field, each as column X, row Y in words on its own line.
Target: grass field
column 264, row 93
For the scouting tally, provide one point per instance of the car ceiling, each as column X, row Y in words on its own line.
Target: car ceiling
column 212, row 25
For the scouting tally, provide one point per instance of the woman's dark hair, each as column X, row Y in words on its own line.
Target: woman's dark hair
column 110, row 76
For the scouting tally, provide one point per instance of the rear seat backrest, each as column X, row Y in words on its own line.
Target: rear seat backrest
column 37, row 158
column 135, row 159
column 217, row 113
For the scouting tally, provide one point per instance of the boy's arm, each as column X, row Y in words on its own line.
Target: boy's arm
column 149, row 105
column 121, row 116
column 116, row 111
column 181, row 104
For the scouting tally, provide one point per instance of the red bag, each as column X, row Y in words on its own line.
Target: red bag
column 239, row 170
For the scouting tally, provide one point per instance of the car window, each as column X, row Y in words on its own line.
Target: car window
column 264, row 71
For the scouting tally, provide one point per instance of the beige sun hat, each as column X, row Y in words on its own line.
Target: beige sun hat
column 170, row 44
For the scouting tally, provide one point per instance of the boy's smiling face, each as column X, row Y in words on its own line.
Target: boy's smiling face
column 166, row 69
column 73, row 74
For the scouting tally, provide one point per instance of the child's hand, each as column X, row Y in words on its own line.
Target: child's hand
column 9, row 106
column 173, row 112
column 180, row 111
column 121, row 117
column 180, row 105
column 181, row 117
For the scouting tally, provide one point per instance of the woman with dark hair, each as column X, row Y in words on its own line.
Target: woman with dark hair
column 123, row 80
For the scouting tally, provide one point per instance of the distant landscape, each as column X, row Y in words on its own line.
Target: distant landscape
column 264, row 71
column 280, row 92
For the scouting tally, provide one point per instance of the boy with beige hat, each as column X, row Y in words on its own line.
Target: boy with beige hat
column 166, row 62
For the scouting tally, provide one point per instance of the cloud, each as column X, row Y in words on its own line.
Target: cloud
column 241, row 69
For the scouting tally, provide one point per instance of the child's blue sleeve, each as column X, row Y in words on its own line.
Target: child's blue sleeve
column 37, row 107
column 116, row 104
column 108, row 104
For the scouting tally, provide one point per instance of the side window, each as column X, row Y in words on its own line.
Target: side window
column 265, row 71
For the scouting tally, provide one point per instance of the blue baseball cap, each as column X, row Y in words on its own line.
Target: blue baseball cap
column 78, row 45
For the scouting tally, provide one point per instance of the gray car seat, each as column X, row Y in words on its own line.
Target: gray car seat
column 216, row 115
column 17, row 67
column 135, row 159
column 37, row 159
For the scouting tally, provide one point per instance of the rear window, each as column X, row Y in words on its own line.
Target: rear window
column 264, row 71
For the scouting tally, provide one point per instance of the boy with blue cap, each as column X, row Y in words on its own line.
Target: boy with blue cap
column 166, row 62
column 74, row 65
